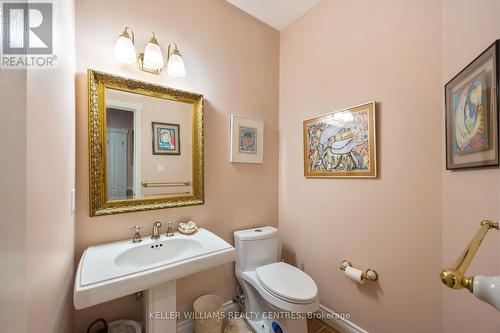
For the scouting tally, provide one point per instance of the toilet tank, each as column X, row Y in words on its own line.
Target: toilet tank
column 255, row 247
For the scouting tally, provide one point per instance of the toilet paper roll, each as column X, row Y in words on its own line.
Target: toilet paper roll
column 354, row 274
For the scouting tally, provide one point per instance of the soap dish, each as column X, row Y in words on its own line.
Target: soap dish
column 187, row 228
column 187, row 231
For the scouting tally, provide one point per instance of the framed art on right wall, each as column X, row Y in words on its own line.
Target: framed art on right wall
column 471, row 99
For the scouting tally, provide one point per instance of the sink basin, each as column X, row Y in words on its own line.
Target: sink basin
column 109, row 271
column 151, row 254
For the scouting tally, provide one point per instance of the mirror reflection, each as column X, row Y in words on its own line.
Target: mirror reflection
column 149, row 149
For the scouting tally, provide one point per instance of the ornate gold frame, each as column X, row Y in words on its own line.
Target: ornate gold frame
column 98, row 203
column 372, row 173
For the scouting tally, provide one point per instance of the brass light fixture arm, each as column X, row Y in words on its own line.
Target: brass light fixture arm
column 172, row 49
column 128, row 33
column 454, row 277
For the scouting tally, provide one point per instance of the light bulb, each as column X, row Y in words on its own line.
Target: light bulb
column 175, row 65
column 153, row 57
column 124, row 49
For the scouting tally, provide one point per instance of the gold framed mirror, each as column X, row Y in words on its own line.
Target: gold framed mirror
column 145, row 146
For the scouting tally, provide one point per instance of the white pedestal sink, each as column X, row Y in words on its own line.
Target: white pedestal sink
column 109, row 271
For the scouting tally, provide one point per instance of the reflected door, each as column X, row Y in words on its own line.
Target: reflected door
column 117, row 158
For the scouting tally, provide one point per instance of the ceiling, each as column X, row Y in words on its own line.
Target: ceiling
column 276, row 13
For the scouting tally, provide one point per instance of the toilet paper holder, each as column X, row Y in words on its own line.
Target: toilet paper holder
column 370, row 274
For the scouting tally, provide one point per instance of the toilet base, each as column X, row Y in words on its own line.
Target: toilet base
column 258, row 326
column 260, row 314
column 286, row 325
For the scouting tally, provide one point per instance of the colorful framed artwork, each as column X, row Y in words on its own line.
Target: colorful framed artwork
column 471, row 99
column 247, row 140
column 341, row 143
column 166, row 139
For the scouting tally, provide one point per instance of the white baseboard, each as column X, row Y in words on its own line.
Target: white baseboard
column 187, row 326
column 333, row 319
column 328, row 316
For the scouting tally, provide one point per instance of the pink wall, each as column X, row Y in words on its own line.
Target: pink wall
column 469, row 196
column 45, row 175
column 50, row 177
column 232, row 59
column 37, row 175
column 13, row 199
column 343, row 53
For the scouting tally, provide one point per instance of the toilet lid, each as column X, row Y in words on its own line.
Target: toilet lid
column 288, row 282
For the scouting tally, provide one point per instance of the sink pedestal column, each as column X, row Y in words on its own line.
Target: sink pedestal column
column 159, row 308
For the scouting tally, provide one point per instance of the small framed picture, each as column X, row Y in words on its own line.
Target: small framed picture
column 247, row 140
column 166, row 140
column 472, row 113
column 341, row 143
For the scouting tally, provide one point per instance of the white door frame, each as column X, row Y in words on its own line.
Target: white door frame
column 136, row 108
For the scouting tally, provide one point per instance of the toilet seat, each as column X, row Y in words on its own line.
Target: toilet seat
column 274, row 300
column 287, row 282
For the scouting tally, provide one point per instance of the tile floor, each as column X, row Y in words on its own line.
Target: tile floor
column 316, row 326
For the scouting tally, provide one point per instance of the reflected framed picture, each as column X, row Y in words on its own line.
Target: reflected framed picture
column 166, row 139
column 247, row 140
column 341, row 144
column 471, row 99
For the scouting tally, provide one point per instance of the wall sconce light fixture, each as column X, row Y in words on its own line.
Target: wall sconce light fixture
column 175, row 64
column 124, row 47
column 151, row 60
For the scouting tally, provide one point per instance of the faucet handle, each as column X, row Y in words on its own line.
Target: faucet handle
column 137, row 236
column 170, row 230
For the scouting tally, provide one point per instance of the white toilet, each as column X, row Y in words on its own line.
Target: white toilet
column 277, row 295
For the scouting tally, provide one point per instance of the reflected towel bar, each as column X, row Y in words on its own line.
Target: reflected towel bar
column 170, row 184
column 454, row 277
column 170, row 193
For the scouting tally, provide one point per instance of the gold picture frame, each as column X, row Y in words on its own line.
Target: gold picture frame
column 98, row 202
column 341, row 143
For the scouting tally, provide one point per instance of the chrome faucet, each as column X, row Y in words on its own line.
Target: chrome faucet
column 137, row 236
column 156, row 230
column 170, row 230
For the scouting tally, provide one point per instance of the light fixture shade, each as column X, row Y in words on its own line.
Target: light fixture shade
column 153, row 57
column 125, row 50
column 175, row 65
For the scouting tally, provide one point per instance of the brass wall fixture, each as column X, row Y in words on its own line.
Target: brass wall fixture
column 369, row 274
column 152, row 59
column 454, row 277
